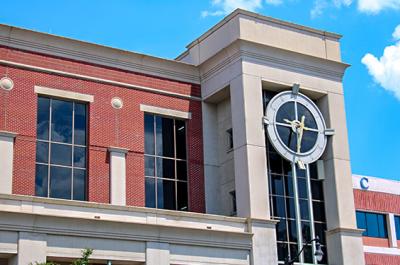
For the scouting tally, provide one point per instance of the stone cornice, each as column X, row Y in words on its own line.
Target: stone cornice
column 276, row 61
column 32, row 41
column 253, row 15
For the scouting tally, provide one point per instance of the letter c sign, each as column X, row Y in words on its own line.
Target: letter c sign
column 364, row 183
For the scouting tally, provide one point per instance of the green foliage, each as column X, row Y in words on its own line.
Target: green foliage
column 82, row 261
column 85, row 257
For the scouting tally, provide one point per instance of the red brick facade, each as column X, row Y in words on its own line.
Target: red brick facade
column 382, row 203
column 107, row 126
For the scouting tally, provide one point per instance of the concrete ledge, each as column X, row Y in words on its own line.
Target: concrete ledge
column 348, row 231
column 8, row 134
column 91, row 207
column 166, row 112
column 63, row 94
column 118, row 149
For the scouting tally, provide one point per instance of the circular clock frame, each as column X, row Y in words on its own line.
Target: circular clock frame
column 315, row 152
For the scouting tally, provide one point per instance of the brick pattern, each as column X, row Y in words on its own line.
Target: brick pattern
column 107, row 126
column 376, row 242
column 376, row 201
column 379, row 259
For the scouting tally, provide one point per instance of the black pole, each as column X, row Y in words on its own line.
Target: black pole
column 291, row 261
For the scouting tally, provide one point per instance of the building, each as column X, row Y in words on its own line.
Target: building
column 185, row 161
column 378, row 213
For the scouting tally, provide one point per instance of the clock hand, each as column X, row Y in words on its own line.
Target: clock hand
column 300, row 129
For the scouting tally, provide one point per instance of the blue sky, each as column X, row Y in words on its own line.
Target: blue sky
column 164, row 28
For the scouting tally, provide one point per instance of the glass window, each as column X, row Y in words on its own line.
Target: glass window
column 229, row 134
column 61, row 149
column 165, row 162
column 397, row 226
column 374, row 224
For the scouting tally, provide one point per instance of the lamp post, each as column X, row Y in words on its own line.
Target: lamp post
column 319, row 254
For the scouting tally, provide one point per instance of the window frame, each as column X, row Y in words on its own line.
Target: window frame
column 73, row 146
column 175, row 158
column 381, row 234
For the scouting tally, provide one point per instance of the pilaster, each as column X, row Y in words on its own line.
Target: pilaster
column 6, row 161
column 117, row 175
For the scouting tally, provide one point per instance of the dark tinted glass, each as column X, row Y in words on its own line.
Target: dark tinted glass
column 288, row 137
column 180, row 130
column 287, row 167
column 309, row 120
column 289, row 186
column 382, row 225
column 397, row 225
column 282, row 251
column 181, row 170
column 43, row 117
column 275, row 163
column 79, row 157
column 149, row 134
column 182, row 196
column 304, row 209
column 42, row 152
column 61, row 121
column 316, row 189
column 293, row 251
column 302, row 188
column 281, row 230
column 308, row 141
column 319, row 211
column 41, row 181
column 166, row 194
column 60, row 182
column 61, row 154
column 79, row 184
column 372, row 225
column 165, row 168
column 279, row 206
column 292, row 231
column 80, row 124
column 291, row 212
column 164, row 137
column 150, row 190
column 320, row 229
column 286, row 112
column 306, row 231
column 276, row 185
column 308, row 254
column 149, row 163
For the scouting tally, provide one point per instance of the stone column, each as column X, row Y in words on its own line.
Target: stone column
column 117, row 175
column 31, row 249
column 392, row 230
column 157, row 253
column 6, row 161
column 343, row 238
column 211, row 165
column 264, row 241
column 251, row 180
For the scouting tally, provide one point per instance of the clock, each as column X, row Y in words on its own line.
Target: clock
column 296, row 127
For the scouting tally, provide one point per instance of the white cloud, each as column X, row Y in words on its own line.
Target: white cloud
column 339, row 3
column 386, row 69
column 375, row 6
column 225, row 7
column 364, row 6
column 318, row 8
column 396, row 33
column 274, row 2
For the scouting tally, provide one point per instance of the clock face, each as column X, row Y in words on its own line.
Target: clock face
column 296, row 127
